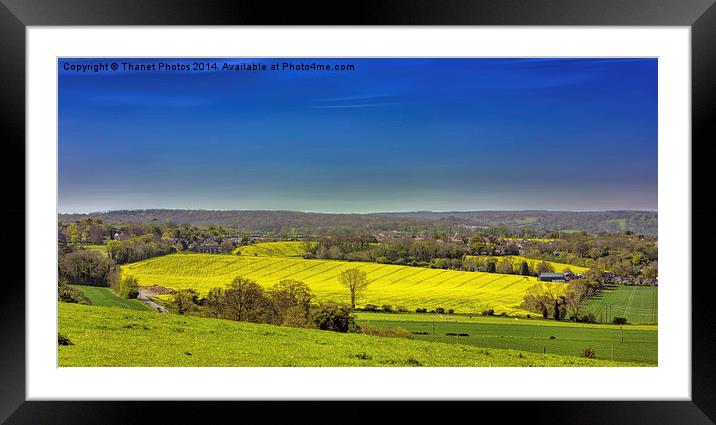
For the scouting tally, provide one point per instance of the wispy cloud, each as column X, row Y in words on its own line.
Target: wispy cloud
column 361, row 105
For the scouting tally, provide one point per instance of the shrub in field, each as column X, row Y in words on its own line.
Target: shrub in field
column 68, row 294
column 588, row 317
column 387, row 308
column 214, row 302
column 412, row 362
column 619, row 320
column 362, row 356
column 525, row 269
column 395, row 332
column 504, row 266
column 370, row 307
column 358, row 256
column 63, row 340
column 185, row 300
column 490, row 267
column 288, row 294
column 450, row 311
column 544, row 267
column 296, row 317
column 401, row 309
column 421, row 310
column 588, row 353
column 440, row 310
column 334, row 317
column 129, row 287
column 490, row 312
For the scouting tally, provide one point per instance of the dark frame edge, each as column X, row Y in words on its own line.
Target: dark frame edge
column 12, row 123
column 15, row 409
column 703, row 111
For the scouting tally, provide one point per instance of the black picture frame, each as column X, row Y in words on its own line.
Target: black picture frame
column 16, row 15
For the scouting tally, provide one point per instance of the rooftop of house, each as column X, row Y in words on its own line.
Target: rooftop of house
column 551, row 275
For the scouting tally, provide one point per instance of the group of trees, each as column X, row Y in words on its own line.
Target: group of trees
column 84, row 267
column 289, row 303
column 496, row 223
column 339, row 245
column 139, row 248
column 633, row 259
column 404, row 251
column 505, row 265
column 554, row 301
column 131, row 242
column 491, row 245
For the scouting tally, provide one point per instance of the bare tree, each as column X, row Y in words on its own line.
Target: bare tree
column 544, row 267
column 356, row 281
column 576, row 295
column 245, row 301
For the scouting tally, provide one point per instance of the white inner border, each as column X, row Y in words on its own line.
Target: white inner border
column 670, row 380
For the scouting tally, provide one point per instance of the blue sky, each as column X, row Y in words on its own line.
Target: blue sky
column 393, row 135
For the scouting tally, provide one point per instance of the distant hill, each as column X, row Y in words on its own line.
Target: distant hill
column 305, row 222
column 592, row 221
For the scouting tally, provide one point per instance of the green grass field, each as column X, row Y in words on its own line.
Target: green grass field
column 110, row 336
column 532, row 263
column 272, row 249
column 639, row 304
column 410, row 287
column 105, row 297
column 99, row 248
column 534, row 335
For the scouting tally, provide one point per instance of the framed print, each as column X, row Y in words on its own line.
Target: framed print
column 432, row 201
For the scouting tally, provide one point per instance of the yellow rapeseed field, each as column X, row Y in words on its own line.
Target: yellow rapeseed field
column 516, row 260
column 272, row 249
column 410, row 287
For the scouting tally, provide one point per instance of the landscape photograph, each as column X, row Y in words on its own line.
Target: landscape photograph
column 357, row 212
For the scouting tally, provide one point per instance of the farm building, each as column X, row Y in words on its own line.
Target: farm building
column 552, row 277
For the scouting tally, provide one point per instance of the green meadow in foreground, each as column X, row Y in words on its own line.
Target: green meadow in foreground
column 534, row 335
column 409, row 287
column 111, row 336
column 105, row 297
column 639, row 304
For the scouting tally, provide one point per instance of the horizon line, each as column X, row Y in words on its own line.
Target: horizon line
column 352, row 213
